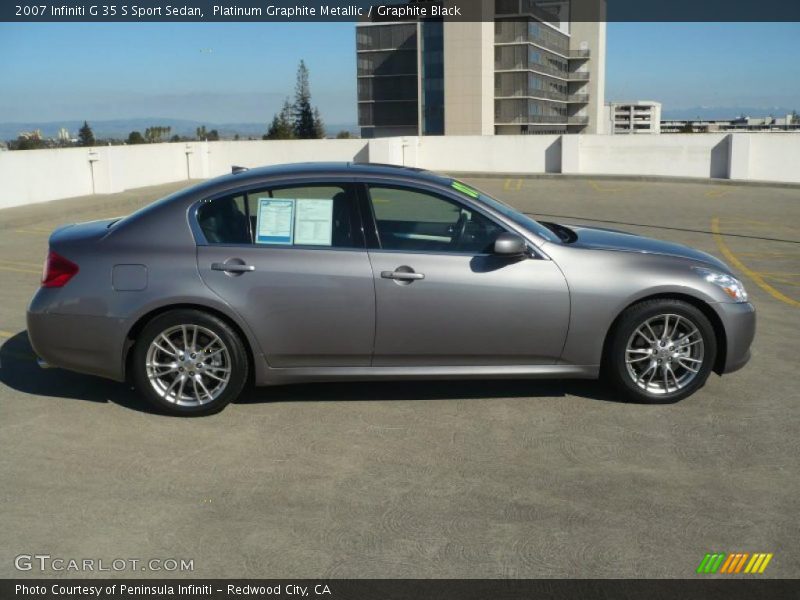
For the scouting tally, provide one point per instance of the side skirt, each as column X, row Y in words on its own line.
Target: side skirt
column 271, row 376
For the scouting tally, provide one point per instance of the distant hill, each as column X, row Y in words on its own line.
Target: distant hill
column 120, row 128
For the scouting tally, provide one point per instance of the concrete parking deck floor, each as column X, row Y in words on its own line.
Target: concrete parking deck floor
column 443, row 479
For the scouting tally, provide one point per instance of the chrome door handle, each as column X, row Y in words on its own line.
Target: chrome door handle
column 402, row 275
column 232, row 267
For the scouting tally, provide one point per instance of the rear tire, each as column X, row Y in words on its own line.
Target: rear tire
column 189, row 363
column 660, row 351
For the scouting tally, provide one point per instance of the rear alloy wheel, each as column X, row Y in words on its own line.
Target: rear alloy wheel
column 187, row 362
column 661, row 351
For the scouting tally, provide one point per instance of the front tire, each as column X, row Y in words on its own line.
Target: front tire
column 189, row 363
column 660, row 351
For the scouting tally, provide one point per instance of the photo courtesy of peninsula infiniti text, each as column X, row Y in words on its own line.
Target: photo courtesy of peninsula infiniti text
column 341, row 271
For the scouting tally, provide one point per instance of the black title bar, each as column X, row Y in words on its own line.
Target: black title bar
column 360, row 10
column 398, row 589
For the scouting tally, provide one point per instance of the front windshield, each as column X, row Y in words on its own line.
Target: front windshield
column 504, row 209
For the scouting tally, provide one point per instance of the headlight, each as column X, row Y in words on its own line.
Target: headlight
column 729, row 284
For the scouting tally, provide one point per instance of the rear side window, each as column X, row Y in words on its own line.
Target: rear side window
column 311, row 215
column 318, row 215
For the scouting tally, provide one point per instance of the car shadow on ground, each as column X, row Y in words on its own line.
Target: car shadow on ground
column 19, row 371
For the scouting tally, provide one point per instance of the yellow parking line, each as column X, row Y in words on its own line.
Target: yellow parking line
column 16, row 270
column 731, row 257
column 512, row 185
column 716, row 193
column 6, row 334
column 31, row 231
column 18, row 263
column 598, row 188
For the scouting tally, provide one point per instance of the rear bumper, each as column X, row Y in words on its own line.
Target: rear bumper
column 739, row 321
column 86, row 344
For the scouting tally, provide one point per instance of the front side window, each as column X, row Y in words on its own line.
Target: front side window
column 312, row 215
column 417, row 221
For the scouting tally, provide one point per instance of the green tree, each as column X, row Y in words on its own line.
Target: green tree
column 343, row 135
column 213, row 136
column 86, row 135
column 27, row 143
column 305, row 118
column 201, row 133
column 282, row 126
column 687, row 127
column 156, row 133
column 319, row 126
column 135, row 137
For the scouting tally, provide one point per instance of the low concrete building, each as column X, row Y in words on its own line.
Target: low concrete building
column 745, row 124
column 641, row 116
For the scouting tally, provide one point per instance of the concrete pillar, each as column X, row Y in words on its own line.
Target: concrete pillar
column 570, row 153
column 738, row 156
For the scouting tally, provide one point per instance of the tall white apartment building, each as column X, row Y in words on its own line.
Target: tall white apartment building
column 522, row 67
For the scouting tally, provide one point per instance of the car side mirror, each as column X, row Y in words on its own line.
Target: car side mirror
column 509, row 244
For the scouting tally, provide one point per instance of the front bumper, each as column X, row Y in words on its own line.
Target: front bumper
column 739, row 321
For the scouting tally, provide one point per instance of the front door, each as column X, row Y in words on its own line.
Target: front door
column 291, row 261
column 443, row 299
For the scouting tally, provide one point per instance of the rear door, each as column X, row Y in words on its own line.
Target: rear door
column 444, row 299
column 291, row 260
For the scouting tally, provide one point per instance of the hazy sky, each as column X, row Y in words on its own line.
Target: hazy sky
column 236, row 72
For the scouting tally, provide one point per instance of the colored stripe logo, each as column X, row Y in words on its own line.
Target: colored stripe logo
column 736, row 562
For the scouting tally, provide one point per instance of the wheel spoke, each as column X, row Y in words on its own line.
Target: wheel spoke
column 217, row 377
column 646, row 339
column 164, row 350
column 205, row 389
column 636, row 360
column 162, row 373
column 687, row 367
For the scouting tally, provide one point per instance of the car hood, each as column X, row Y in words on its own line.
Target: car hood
column 596, row 238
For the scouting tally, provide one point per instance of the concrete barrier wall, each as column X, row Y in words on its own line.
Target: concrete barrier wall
column 41, row 175
column 495, row 154
column 660, row 155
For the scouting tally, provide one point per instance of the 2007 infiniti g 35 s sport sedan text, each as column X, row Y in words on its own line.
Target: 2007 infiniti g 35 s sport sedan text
column 323, row 272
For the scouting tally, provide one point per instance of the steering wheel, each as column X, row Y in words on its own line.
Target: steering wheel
column 459, row 229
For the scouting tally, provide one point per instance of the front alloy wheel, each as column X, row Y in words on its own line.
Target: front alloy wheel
column 187, row 362
column 661, row 351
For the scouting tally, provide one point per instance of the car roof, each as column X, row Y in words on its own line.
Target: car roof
column 245, row 176
column 241, row 175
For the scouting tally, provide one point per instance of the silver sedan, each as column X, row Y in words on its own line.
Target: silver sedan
column 325, row 272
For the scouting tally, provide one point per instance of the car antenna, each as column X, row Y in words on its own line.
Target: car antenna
column 235, row 169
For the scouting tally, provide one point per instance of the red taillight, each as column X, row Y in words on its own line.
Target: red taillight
column 57, row 270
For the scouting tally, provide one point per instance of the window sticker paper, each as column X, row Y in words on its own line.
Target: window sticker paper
column 313, row 224
column 274, row 221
